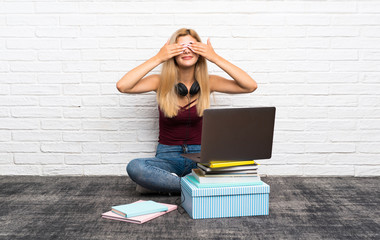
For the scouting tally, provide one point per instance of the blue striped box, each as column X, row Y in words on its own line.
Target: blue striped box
column 221, row 202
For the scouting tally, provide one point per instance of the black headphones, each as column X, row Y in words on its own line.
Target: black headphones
column 181, row 89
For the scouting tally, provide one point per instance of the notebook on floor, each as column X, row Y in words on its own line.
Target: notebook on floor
column 138, row 219
column 236, row 134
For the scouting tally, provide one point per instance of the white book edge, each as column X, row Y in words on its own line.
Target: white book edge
column 229, row 179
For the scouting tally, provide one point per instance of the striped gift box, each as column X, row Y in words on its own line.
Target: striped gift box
column 221, row 202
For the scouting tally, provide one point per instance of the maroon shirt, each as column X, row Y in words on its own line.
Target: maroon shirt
column 185, row 128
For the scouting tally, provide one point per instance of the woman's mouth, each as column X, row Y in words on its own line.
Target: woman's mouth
column 187, row 58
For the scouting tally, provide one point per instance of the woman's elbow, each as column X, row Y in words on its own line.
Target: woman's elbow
column 118, row 86
column 255, row 87
column 121, row 88
column 252, row 88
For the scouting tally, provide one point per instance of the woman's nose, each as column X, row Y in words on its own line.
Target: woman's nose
column 186, row 50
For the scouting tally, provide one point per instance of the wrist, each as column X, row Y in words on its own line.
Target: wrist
column 157, row 59
column 215, row 58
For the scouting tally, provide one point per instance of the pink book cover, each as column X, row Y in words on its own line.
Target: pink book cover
column 138, row 219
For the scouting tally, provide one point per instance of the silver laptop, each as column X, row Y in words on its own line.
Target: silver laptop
column 236, row 134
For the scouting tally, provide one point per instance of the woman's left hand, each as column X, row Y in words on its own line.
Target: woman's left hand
column 205, row 50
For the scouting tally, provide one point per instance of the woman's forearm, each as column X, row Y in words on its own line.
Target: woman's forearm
column 241, row 77
column 130, row 79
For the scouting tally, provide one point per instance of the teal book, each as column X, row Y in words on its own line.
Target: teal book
column 217, row 185
column 139, row 208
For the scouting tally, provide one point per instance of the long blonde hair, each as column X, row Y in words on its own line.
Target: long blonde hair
column 166, row 95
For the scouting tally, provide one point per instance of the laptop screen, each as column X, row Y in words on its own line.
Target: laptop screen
column 237, row 134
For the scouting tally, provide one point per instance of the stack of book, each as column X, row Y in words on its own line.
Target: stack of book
column 225, row 174
column 138, row 212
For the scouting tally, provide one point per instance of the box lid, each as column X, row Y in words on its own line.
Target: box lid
column 194, row 191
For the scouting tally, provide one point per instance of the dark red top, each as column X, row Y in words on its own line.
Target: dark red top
column 185, row 128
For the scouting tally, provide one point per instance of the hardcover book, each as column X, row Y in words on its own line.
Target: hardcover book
column 224, row 178
column 228, row 173
column 218, row 164
column 227, row 169
column 139, row 219
column 139, row 208
column 194, row 181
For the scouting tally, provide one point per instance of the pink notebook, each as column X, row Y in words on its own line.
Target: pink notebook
column 138, row 219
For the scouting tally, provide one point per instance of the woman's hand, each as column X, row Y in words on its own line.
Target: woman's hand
column 168, row 51
column 205, row 50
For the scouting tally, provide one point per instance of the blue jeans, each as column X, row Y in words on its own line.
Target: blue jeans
column 155, row 173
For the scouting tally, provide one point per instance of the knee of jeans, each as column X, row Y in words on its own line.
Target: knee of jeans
column 133, row 168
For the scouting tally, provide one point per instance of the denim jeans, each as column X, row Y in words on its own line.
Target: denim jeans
column 155, row 173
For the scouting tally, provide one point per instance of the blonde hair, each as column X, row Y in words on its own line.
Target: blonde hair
column 166, row 95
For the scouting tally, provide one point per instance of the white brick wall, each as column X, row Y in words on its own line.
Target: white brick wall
column 318, row 62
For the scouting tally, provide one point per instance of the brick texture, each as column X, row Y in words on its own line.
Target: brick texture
column 317, row 61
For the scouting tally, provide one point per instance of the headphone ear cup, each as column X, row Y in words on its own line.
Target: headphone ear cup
column 181, row 89
column 194, row 88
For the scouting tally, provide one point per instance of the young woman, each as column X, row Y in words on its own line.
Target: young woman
column 183, row 92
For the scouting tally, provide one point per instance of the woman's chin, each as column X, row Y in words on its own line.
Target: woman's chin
column 186, row 65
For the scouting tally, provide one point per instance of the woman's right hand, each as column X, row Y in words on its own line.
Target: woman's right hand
column 168, row 51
